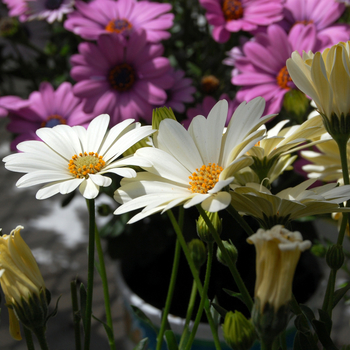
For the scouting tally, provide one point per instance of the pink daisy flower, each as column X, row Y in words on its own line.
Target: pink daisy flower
column 122, row 16
column 322, row 14
column 50, row 10
column 181, row 91
column 205, row 107
column 7, row 102
column 45, row 108
column 234, row 15
column 261, row 69
column 124, row 78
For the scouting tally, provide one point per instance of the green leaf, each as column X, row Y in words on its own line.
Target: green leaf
column 338, row 294
column 142, row 316
column 83, row 304
column 171, row 340
column 184, row 338
column 107, row 328
column 54, row 312
column 323, row 335
column 307, row 312
column 324, row 317
column 142, row 345
column 301, row 324
column 220, row 309
column 215, row 314
column 301, row 342
column 233, row 294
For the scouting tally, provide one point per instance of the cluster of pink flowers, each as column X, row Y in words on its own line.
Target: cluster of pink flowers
column 121, row 71
column 278, row 28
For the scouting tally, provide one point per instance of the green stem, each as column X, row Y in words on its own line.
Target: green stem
column 231, row 265
column 40, row 334
column 233, row 212
column 170, row 294
column 328, row 298
column 76, row 318
column 204, row 296
column 90, row 283
column 195, row 276
column 29, row 338
column 283, row 340
column 103, row 275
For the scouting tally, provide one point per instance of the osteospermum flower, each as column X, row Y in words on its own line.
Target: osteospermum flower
column 234, row 15
column 207, row 104
column 195, row 166
column 68, row 157
column 45, row 108
column 122, row 17
column 289, row 204
column 7, row 102
column 325, row 77
column 122, row 78
column 262, row 71
column 182, row 91
column 322, row 14
column 17, row 8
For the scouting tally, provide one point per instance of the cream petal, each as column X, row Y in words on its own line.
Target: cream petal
column 217, row 202
column 196, row 199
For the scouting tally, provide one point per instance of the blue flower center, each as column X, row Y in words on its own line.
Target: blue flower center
column 53, row 4
column 118, row 25
column 121, row 77
column 53, row 120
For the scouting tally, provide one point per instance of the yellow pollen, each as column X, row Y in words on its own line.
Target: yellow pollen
column 283, row 78
column 84, row 164
column 205, row 178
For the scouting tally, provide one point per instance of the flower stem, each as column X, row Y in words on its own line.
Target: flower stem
column 203, row 297
column 195, row 276
column 231, row 265
column 90, row 283
column 103, row 275
column 76, row 318
column 170, row 294
column 233, row 212
column 29, row 338
column 40, row 334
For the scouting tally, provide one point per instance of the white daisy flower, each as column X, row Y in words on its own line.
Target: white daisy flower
column 194, row 166
column 70, row 157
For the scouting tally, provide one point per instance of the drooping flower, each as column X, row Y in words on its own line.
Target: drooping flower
column 182, row 91
column 289, row 204
column 234, row 15
column 71, row 157
column 277, row 254
column 124, row 78
column 322, row 14
column 262, row 71
column 207, row 104
column 50, row 10
column 325, row 77
column 20, row 280
column 45, row 108
column 195, row 166
column 124, row 16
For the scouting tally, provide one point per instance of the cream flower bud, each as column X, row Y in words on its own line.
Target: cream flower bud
column 20, row 278
column 277, row 254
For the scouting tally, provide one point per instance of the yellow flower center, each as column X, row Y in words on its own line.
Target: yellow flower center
column 232, row 9
column 205, row 178
column 283, row 78
column 121, row 77
column 118, row 25
column 84, row 164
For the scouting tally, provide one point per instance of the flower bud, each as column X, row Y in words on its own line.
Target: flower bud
column 335, row 256
column 198, row 252
column 239, row 333
column 231, row 250
column 22, row 283
column 160, row 114
column 203, row 230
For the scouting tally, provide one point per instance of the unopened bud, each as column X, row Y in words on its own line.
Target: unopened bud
column 335, row 256
column 160, row 114
column 239, row 333
column 198, row 252
column 230, row 249
column 203, row 229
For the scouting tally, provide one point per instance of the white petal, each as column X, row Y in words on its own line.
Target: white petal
column 217, row 202
column 196, row 199
column 96, row 133
column 70, row 185
column 124, row 172
column 100, row 180
column 40, row 177
column 88, row 189
column 220, row 185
